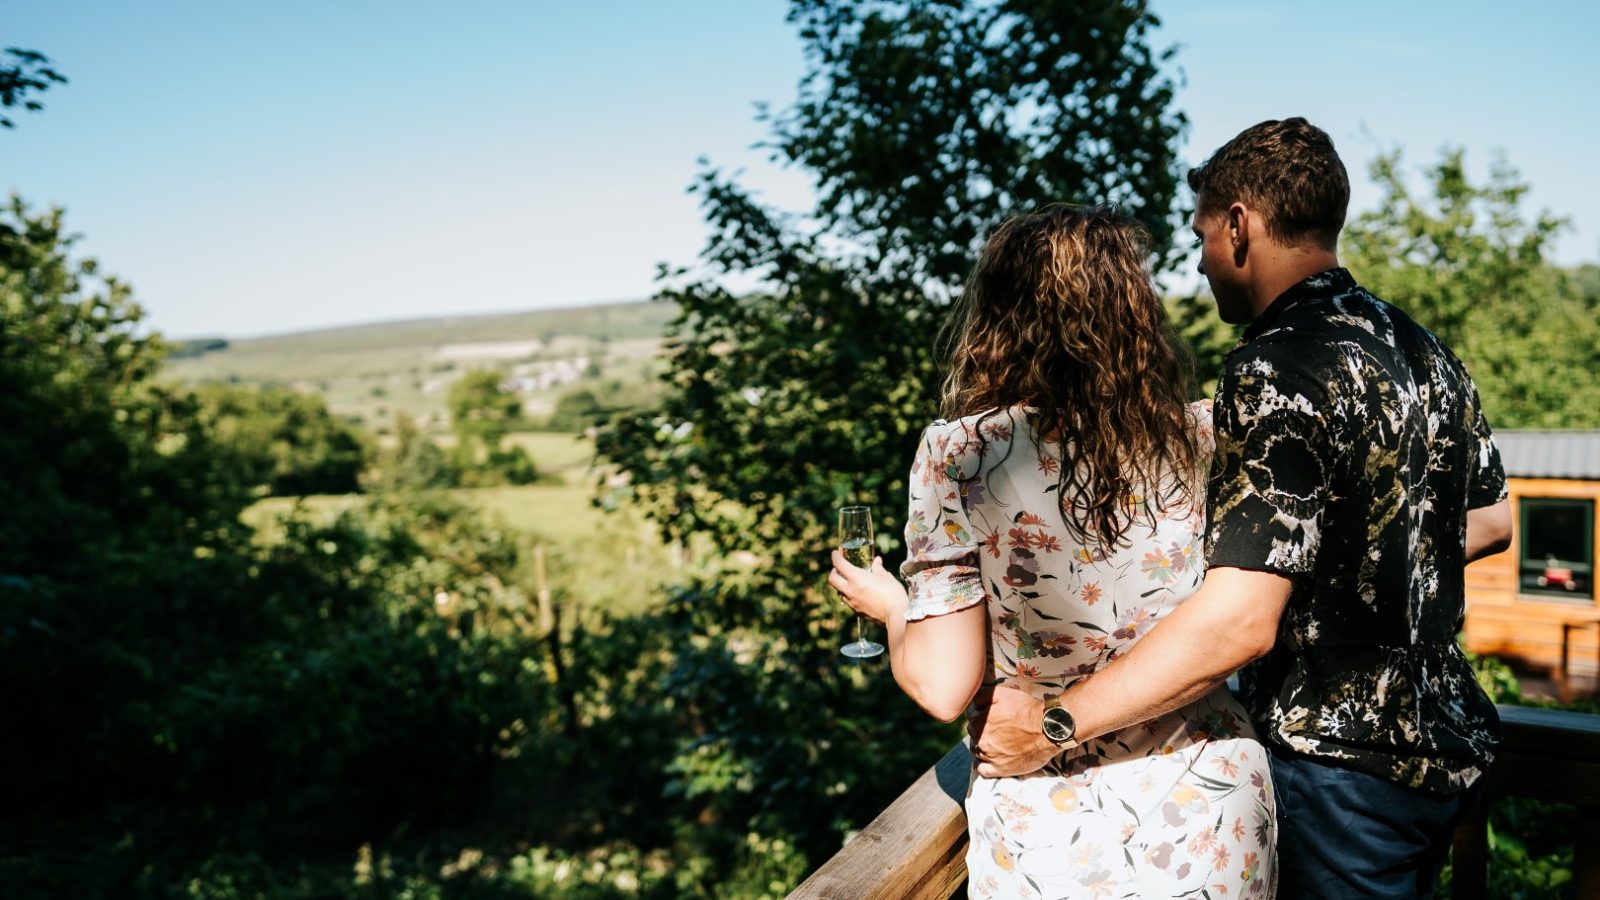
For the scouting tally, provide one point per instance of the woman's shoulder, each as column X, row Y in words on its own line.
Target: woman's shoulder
column 962, row 443
column 1200, row 424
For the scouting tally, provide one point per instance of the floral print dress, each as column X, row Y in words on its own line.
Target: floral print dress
column 1179, row 806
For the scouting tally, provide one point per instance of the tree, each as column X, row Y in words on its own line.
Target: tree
column 576, row 411
column 1466, row 262
column 188, row 705
column 482, row 412
column 417, row 462
column 927, row 123
column 102, row 451
column 924, row 124
column 27, row 72
column 289, row 442
column 592, row 406
column 1208, row 338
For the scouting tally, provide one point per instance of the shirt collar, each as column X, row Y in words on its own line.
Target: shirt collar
column 1327, row 283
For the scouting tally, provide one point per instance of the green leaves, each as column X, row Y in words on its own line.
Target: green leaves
column 26, row 73
column 923, row 123
column 1465, row 261
column 286, row 443
column 927, row 123
column 480, row 409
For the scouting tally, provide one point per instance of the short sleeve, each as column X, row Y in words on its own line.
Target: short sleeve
column 941, row 567
column 1273, row 463
column 1486, row 485
column 1205, row 438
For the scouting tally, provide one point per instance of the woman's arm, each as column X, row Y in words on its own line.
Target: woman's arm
column 939, row 661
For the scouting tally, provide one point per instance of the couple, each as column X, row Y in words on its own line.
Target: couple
column 1076, row 516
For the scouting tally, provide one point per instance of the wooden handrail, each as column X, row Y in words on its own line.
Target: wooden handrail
column 1549, row 754
column 916, row 848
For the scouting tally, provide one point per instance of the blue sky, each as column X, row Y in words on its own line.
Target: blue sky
column 263, row 167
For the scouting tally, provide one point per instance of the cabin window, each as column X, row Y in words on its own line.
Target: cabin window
column 1557, row 542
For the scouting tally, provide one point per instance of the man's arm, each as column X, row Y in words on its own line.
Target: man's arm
column 1488, row 530
column 1264, row 502
column 1230, row 621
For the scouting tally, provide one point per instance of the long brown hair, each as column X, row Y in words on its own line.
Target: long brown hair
column 1060, row 315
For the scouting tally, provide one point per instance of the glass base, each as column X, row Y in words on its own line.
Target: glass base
column 861, row 650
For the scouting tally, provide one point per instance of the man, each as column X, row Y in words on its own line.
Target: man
column 1355, row 476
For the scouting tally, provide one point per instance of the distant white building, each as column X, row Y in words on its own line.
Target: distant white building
column 487, row 350
column 534, row 377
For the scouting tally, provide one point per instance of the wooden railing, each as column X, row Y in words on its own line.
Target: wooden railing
column 1551, row 755
column 915, row 849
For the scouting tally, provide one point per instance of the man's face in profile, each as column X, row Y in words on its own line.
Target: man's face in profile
column 1220, row 263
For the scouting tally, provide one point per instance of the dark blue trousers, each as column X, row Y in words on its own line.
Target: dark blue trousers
column 1343, row 834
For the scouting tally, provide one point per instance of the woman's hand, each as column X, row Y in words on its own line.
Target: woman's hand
column 872, row 592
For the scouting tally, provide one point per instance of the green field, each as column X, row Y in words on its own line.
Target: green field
column 548, row 512
column 374, row 373
column 621, row 579
column 558, row 515
column 565, row 456
column 568, row 455
column 557, row 510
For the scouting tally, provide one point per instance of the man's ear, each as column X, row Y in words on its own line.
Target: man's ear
column 1239, row 232
column 1239, row 225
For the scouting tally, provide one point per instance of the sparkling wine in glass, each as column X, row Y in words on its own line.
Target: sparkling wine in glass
column 855, row 539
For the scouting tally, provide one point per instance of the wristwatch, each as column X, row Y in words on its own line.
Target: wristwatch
column 1059, row 726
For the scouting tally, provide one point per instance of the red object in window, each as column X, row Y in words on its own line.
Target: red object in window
column 1558, row 577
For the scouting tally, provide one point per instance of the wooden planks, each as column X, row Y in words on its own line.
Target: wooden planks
column 1528, row 628
column 914, row 850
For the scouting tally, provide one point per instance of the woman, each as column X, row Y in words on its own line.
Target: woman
column 1055, row 518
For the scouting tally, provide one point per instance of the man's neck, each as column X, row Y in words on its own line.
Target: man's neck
column 1286, row 267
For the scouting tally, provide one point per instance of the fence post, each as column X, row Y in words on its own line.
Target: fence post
column 550, row 625
column 1469, row 855
column 547, row 616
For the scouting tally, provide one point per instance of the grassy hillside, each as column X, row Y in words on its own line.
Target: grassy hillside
column 371, row 373
column 558, row 512
column 598, row 559
column 616, row 321
column 374, row 373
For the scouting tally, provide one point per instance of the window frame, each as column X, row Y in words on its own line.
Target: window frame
column 1527, row 505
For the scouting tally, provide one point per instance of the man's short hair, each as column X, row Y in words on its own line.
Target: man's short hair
column 1288, row 170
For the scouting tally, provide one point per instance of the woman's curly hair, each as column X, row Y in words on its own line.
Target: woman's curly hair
column 1060, row 315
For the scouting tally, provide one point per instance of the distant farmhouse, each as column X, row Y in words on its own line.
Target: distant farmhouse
column 1534, row 605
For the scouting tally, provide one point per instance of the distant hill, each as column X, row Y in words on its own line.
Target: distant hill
column 373, row 372
column 617, row 321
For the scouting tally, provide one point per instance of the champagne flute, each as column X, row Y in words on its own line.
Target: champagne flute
column 855, row 539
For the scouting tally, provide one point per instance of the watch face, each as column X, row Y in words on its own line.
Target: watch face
column 1058, row 725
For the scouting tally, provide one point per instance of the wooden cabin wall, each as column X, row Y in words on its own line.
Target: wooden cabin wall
column 1524, row 629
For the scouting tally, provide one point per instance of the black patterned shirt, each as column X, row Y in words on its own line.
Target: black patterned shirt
column 1350, row 445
